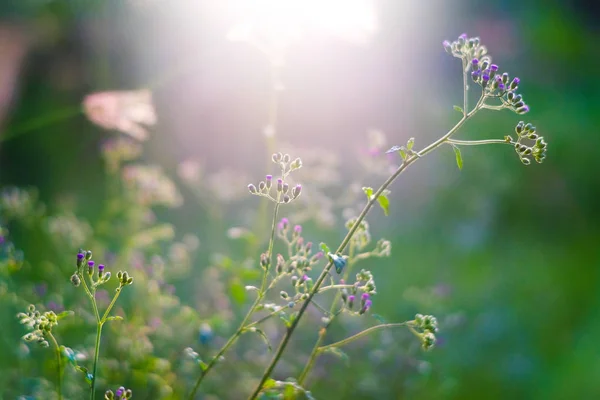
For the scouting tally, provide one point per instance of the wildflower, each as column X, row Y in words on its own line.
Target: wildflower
column 124, row 111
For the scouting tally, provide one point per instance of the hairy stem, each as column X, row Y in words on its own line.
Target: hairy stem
column 242, row 327
column 58, row 366
column 372, row 201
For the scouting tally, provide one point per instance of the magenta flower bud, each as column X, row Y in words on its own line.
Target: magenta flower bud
column 494, row 67
column 120, row 391
column 90, row 267
column 351, row 301
column 475, row 63
column 447, row 46
column 296, row 191
column 100, row 270
column 283, row 224
column 365, row 307
column 269, row 181
column 515, row 82
column 280, row 185
column 364, row 298
column 305, row 278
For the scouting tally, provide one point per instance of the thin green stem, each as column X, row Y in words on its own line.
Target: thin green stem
column 96, row 357
column 58, row 366
column 465, row 71
column 112, row 303
column 242, row 327
column 478, row 142
column 314, row 354
column 346, row 240
column 361, row 334
column 491, row 107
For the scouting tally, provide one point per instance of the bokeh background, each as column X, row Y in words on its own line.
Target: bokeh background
column 506, row 256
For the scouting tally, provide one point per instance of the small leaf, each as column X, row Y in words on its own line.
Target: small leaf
column 325, row 248
column 203, row 365
column 368, row 191
column 459, row 160
column 115, row 318
column 459, row 109
column 379, row 318
column 402, row 152
column 338, row 353
column 269, row 383
column 64, row 314
column 384, row 202
column 410, row 143
column 262, row 335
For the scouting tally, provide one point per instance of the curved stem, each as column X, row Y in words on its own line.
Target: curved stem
column 58, row 366
column 242, row 327
column 361, row 334
column 361, row 217
column 478, row 142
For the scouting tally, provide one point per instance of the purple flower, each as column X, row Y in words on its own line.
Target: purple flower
column 501, row 86
column 351, row 301
column 364, row 296
column 494, row 67
column 101, row 268
column 298, row 229
column 120, row 391
column 305, row 278
column 269, row 178
column 485, row 77
column 475, row 62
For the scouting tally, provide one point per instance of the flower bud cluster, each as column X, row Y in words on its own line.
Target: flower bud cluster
column 537, row 150
column 300, row 252
column 362, row 236
column 85, row 264
column 121, row 394
column 428, row 327
column 363, row 288
column 39, row 324
column 284, row 193
column 486, row 74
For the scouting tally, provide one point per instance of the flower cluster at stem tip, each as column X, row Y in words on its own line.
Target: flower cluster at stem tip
column 425, row 327
column 40, row 325
column 487, row 75
column 121, row 394
column 537, row 151
column 284, row 194
column 97, row 275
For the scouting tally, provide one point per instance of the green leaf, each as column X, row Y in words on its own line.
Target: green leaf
column 410, row 143
column 368, row 191
column 262, row 334
column 338, row 353
column 402, row 152
column 237, row 292
column 325, row 248
column 384, row 202
column 203, row 365
column 379, row 318
column 459, row 160
column 459, row 109
column 269, row 383
column 64, row 314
